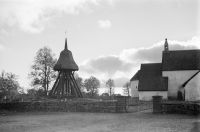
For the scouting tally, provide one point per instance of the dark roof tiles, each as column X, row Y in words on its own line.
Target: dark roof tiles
column 136, row 76
column 151, row 68
column 151, row 79
column 66, row 62
column 181, row 60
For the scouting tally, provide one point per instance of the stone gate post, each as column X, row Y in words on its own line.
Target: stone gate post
column 157, row 108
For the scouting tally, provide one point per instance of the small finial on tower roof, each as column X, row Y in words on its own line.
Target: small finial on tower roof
column 166, row 39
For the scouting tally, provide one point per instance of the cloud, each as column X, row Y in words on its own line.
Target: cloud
column 3, row 34
column 104, row 24
column 2, row 48
column 113, row 63
column 124, row 66
column 154, row 52
column 33, row 15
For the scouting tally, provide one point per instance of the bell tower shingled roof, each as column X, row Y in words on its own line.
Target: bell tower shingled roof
column 66, row 60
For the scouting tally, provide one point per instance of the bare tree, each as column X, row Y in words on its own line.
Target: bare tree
column 42, row 73
column 92, row 84
column 126, row 89
column 110, row 86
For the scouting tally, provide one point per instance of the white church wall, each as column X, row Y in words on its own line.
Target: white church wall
column 134, row 88
column 147, row 95
column 176, row 79
column 192, row 89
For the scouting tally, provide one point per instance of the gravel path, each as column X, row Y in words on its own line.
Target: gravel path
column 98, row 122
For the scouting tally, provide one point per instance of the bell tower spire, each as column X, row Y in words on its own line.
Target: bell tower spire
column 66, row 41
column 66, row 44
column 166, row 46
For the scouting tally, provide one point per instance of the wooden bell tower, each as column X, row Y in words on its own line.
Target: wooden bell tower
column 65, row 84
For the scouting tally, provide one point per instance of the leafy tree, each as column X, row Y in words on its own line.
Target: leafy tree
column 40, row 93
column 42, row 73
column 32, row 92
column 21, row 90
column 79, row 81
column 110, row 86
column 117, row 95
column 105, row 96
column 126, row 89
column 9, row 85
column 92, row 84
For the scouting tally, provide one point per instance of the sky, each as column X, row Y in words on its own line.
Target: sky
column 108, row 38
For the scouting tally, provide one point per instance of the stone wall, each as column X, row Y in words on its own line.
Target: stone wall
column 101, row 106
column 181, row 108
column 119, row 105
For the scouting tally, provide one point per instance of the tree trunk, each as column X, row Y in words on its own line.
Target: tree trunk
column 128, row 91
column 45, row 79
column 47, row 86
column 92, row 94
column 110, row 93
column 48, row 72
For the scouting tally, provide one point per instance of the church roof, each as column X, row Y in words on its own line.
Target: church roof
column 136, row 76
column 151, row 79
column 181, row 60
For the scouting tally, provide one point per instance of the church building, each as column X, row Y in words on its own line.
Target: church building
column 177, row 77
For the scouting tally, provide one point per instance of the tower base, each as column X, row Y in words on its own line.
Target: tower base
column 65, row 86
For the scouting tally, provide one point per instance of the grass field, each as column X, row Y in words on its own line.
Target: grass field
column 97, row 122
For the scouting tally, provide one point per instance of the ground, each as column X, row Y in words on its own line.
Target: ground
column 98, row 122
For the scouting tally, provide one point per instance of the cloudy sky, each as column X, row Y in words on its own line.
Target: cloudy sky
column 108, row 38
